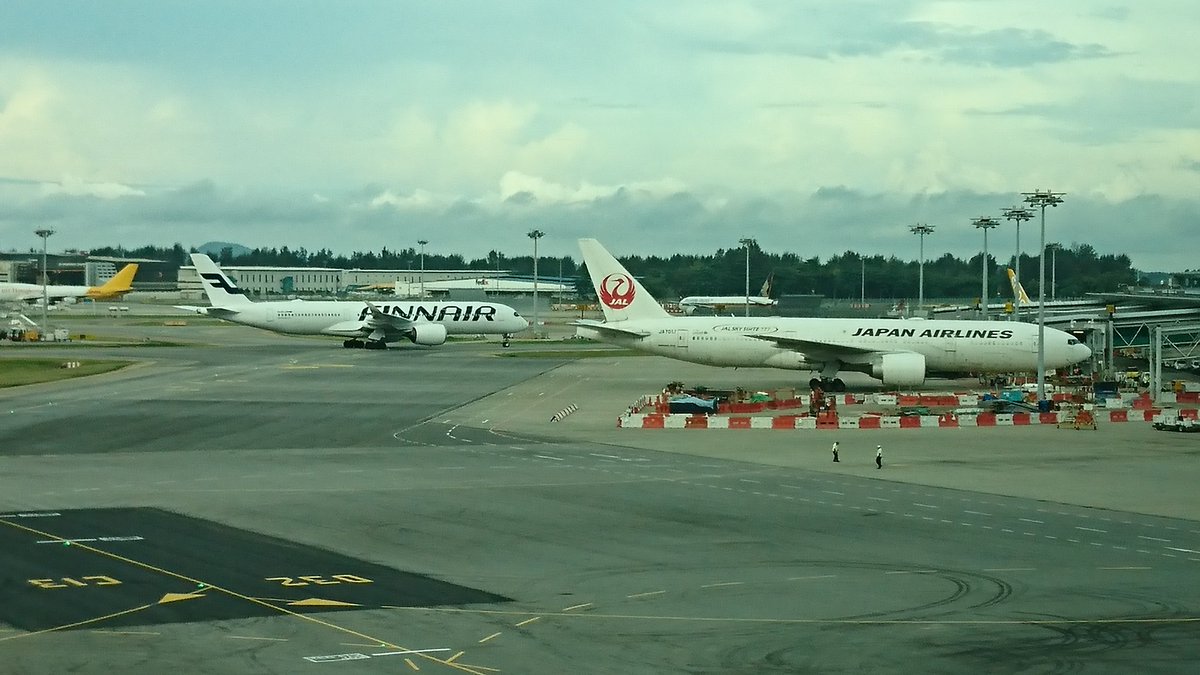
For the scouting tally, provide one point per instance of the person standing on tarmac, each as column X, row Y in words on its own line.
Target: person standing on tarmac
column 835, row 452
column 879, row 457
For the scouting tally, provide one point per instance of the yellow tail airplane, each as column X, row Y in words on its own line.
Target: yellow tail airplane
column 120, row 284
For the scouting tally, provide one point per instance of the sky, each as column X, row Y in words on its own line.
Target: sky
column 813, row 127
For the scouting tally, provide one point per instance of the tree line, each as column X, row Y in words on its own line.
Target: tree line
column 1079, row 269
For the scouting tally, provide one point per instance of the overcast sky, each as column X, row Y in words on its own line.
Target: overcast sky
column 656, row 127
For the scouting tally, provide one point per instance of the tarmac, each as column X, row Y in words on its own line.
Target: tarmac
column 254, row 503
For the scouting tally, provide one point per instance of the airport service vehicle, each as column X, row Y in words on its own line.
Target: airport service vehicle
column 116, row 287
column 900, row 352
column 1170, row 422
column 363, row 324
column 720, row 303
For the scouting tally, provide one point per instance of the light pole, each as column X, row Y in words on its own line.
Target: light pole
column 862, row 290
column 747, row 243
column 1018, row 214
column 44, row 233
column 985, row 224
column 921, row 229
column 422, row 242
column 1042, row 199
column 535, row 235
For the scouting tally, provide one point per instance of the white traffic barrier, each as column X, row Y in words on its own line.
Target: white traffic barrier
column 760, row 422
column 718, row 422
column 930, row 421
column 806, row 423
column 564, row 412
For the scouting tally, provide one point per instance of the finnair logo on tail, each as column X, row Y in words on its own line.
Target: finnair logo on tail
column 616, row 291
column 219, row 281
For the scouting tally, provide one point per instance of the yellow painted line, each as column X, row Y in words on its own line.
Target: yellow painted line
column 455, row 657
column 77, row 623
column 723, row 583
column 528, row 621
column 580, row 606
column 493, row 635
column 411, row 664
column 254, row 637
column 197, row 582
column 646, row 594
column 802, row 621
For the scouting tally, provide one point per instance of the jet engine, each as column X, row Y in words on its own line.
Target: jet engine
column 902, row 369
column 430, row 334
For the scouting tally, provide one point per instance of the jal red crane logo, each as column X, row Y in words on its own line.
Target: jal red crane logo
column 616, row 291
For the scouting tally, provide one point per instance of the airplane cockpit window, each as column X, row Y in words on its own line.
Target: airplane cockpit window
column 1072, row 341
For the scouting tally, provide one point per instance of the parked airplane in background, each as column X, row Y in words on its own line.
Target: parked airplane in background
column 720, row 303
column 1020, row 297
column 120, row 284
column 363, row 324
column 897, row 351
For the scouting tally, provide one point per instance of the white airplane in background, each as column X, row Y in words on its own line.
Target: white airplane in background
column 899, row 352
column 120, row 284
column 363, row 324
column 720, row 303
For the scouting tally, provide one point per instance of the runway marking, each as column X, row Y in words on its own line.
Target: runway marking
column 1005, row 529
column 976, row 513
column 557, row 459
column 1127, row 567
column 1009, row 569
column 528, row 621
column 1142, row 536
column 747, row 480
column 911, row 572
column 723, row 583
column 596, row 454
column 219, row 589
column 834, row 492
column 924, row 506
column 1181, row 550
column 795, row 487
column 642, row 595
column 252, row 637
column 879, row 499
column 815, row 576
column 1090, row 529
column 124, row 632
column 574, row 607
column 493, row 635
column 1031, row 520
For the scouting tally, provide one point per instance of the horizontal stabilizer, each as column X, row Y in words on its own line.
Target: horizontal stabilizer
column 611, row 329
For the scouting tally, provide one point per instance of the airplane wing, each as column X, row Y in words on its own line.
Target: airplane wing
column 218, row 312
column 379, row 325
column 816, row 350
column 611, row 329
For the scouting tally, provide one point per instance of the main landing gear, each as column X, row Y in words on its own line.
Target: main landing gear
column 826, row 384
column 506, row 340
column 360, row 344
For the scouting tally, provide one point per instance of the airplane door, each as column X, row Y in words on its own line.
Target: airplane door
column 681, row 342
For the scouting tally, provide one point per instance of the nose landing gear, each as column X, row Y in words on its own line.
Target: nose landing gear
column 506, row 340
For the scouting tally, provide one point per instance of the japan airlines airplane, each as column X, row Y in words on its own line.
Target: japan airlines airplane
column 719, row 303
column 117, row 286
column 899, row 352
column 363, row 324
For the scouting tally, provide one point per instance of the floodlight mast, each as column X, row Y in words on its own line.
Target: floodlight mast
column 1018, row 214
column 985, row 224
column 746, row 242
column 44, row 233
column 1042, row 199
column 921, row 229
column 422, row 242
column 535, row 235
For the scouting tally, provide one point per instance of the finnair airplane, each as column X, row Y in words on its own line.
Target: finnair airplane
column 720, row 303
column 363, row 324
column 120, row 284
column 900, row 352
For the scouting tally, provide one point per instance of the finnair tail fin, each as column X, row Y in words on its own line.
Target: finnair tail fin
column 621, row 296
column 221, row 290
column 120, row 284
column 1020, row 298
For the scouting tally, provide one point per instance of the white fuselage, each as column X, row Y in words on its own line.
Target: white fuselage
column 948, row 346
column 14, row 292
column 691, row 303
column 343, row 318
